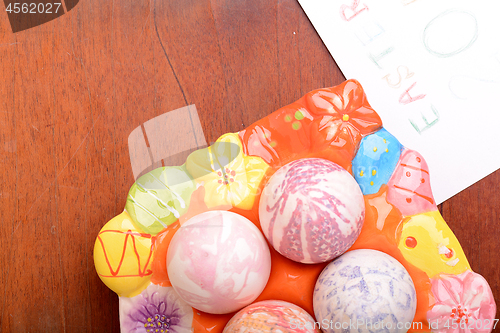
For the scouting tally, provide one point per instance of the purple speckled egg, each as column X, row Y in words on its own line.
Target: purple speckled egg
column 365, row 291
column 311, row 210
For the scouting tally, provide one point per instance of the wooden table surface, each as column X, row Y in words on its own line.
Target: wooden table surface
column 72, row 91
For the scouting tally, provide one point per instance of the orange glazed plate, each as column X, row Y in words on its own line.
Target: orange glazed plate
column 337, row 124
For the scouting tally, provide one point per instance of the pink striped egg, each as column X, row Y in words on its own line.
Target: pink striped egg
column 311, row 210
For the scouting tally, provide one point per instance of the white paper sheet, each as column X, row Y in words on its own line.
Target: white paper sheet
column 431, row 69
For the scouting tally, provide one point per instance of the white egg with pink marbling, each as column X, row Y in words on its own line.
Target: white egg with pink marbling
column 311, row 210
column 218, row 262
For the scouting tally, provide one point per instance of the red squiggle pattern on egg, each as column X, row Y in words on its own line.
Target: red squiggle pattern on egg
column 132, row 236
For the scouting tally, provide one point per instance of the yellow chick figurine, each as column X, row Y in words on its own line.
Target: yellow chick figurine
column 428, row 243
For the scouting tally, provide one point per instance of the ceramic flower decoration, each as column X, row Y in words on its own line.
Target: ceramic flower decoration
column 156, row 309
column 337, row 124
column 343, row 115
column 229, row 176
column 463, row 303
column 327, row 123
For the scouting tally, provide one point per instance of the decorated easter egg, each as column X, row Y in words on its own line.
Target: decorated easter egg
column 365, row 291
column 311, row 210
column 409, row 188
column 375, row 161
column 123, row 256
column 272, row 316
column 218, row 262
column 158, row 198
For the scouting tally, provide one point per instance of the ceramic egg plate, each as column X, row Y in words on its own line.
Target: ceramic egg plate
column 337, row 124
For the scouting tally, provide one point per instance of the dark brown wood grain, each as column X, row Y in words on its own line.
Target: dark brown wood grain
column 73, row 89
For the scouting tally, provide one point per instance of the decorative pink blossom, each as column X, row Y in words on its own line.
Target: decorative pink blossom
column 463, row 303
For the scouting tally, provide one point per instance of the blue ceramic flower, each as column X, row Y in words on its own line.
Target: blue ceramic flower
column 156, row 309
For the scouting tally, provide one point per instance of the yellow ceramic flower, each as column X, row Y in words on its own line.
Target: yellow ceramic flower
column 123, row 256
column 228, row 175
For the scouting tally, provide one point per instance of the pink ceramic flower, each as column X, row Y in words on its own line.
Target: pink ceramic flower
column 463, row 303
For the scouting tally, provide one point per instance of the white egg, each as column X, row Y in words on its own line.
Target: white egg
column 365, row 291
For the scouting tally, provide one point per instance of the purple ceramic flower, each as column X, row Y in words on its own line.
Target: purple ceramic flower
column 156, row 309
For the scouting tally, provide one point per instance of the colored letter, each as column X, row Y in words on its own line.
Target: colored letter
column 353, row 8
column 406, row 98
column 427, row 123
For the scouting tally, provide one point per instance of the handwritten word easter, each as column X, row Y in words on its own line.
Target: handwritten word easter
column 355, row 325
column 401, row 77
